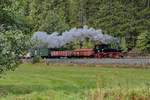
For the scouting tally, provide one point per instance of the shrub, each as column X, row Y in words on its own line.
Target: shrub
column 36, row 59
column 143, row 42
column 13, row 46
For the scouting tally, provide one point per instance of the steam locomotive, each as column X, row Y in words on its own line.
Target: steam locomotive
column 99, row 51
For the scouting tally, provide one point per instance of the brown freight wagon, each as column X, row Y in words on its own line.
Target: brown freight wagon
column 75, row 53
column 61, row 53
column 83, row 53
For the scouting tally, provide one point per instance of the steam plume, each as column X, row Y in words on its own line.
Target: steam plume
column 55, row 40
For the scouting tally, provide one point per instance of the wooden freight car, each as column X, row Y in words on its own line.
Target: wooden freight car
column 73, row 53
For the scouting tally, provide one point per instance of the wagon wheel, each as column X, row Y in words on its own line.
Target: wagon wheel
column 101, row 56
column 119, row 57
column 107, row 55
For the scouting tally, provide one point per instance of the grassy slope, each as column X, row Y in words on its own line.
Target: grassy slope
column 30, row 78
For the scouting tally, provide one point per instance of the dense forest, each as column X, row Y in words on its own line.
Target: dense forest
column 128, row 20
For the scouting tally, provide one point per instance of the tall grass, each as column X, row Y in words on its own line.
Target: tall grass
column 119, row 94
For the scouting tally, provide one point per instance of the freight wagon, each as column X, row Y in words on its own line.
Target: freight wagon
column 99, row 51
column 42, row 52
column 83, row 53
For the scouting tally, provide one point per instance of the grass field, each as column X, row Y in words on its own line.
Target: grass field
column 68, row 82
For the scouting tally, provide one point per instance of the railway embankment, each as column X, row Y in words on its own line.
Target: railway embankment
column 124, row 61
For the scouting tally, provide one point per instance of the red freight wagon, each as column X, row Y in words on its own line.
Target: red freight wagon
column 83, row 52
column 61, row 53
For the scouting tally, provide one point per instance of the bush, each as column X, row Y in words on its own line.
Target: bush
column 36, row 59
column 13, row 46
column 143, row 42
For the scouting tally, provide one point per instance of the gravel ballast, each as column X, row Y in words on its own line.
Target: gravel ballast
column 96, row 61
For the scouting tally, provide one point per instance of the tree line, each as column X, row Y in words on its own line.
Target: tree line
column 128, row 20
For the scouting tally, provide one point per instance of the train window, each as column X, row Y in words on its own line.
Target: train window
column 35, row 52
column 97, row 47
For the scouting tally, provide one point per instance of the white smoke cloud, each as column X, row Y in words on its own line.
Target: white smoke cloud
column 55, row 40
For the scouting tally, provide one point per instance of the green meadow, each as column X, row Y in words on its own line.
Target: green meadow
column 75, row 82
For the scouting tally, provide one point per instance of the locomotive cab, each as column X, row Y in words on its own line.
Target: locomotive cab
column 101, row 48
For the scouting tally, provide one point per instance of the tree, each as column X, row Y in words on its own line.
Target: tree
column 5, row 14
column 119, row 18
column 53, row 23
column 143, row 42
column 123, row 44
column 13, row 46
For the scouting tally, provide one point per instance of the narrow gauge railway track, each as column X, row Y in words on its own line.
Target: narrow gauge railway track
column 124, row 61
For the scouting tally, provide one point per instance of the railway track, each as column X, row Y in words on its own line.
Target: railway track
column 131, row 61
